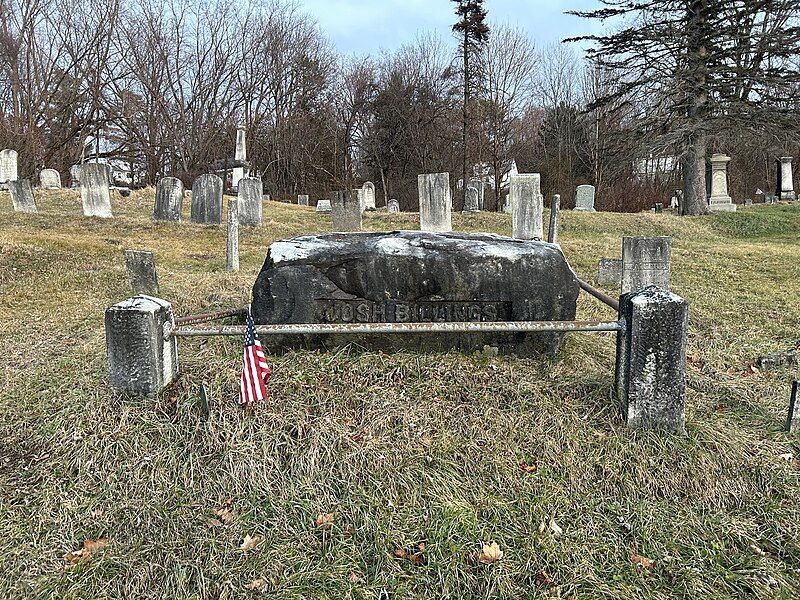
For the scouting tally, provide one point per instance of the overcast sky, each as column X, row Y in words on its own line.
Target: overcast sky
column 368, row 26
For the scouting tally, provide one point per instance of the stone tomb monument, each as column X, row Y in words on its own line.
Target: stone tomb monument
column 584, row 198
column 527, row 206
column 169, row 200
column 393, row 206
column 22, row 196
column 414, row 276
column 141, row 267
column 785, row 188
column 435, row 202
column 368, row 196
column 207, row 200
column 240, row 154
column 251, row 202
column 720, row 201
column 95, row 193
column 50, row 179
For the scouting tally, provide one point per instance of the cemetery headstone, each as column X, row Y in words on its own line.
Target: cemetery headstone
column 673, row 203
column 302, row 200
column 232, row 249
column 646, row 261
column 555, row 218
column 141, row 267
column 414, row 276
column 651, row 359
column 169, row 200
column 8, row 167
column 75, row 176
column 610, row 272
column 50, row 179
column 786, row 190
column 659, row 207
column 22, row 196
column 142, row 358
column 748, row 202
column 346, row 211
column 435, row 202
column 471, row 200
column 95, row 193
column 324, row 205
column 720, row 201
column 369, row 195
column 251, row 202
column 393, row 206
column 527, row 206
column 207, row 200
column 584, row 198
column 478, row 185
column 240, row 154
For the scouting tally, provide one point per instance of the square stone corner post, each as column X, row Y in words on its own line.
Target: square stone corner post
column 142, row 356
column 651, row 359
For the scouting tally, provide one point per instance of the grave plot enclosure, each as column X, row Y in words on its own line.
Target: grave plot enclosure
column 416, row 277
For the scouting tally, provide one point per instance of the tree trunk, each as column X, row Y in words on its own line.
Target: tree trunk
column 694, row 194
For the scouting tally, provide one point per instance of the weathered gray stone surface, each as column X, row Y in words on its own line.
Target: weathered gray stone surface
column 584, row 198
column 207, row 200
column 169, row 200
column 232, row 249
column 412, row 276
column 478, row 185
column 324, row 205
column 471, row 200
column 555, row 219
column 141, row 267
column 651, row 359
column 368, row 196
column 393, row 206
column 793, row 418
column 435, row 202
column 240, row 153
column 787, row 179
column 95, row 193
column 659, row 208
column 22, row 196
column 646, row 261
column 302, row 200
column 142, row 359
column 346, row 210
column 8, row 166
column 527, row 206
column 610, row 272
column 75, row 176
column 748, row 202
column 50, row 179
column 251, row 202
column 673, row 203
column 720, row 201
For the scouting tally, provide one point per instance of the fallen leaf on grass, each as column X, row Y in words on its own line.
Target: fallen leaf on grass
column 552, row 526
column 542, row 579
column 353, row 577
column 258, row 585
column 225, row 515
column 414, row 554
column 250, row 543
column 642, row 561
column 490, row 554
column 212, row 522
column 90, row 547
column 324, row 521
column 526, row 468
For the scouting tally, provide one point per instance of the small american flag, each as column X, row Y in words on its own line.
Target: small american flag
column 255, row 371
column 758, row 191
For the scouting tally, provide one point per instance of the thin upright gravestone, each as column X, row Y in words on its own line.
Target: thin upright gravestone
column 240, row 154
column 50, row 179
column 478, row 185
column 302, row 200
column 232, row 250
column 527, row 206
column 251, row 202
column 346, row 211
column 95, row 193
column 584, row 198
column 169, row 199
column 8, row 167
column 141, row 267
column 471, row 204
column 207, row 200
column 435, row 202
column 720, row 201
column 22, row 196
column 393, row 206
column 786, row 188
column 75, row 176
column 368, row 196
column 610, row 271
column 555, row 217
column 646, row 261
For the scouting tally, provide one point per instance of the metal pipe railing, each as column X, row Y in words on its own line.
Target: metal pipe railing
column 401, row 328
column 602, row 296
column 194, row 319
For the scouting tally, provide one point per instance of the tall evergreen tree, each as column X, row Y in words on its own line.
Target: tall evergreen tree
column 473, row 32
column 695, row 68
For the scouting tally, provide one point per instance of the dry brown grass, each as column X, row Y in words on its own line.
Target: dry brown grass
column 398, row 448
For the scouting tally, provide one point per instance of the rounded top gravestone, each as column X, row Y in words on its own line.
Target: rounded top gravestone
column 393, row 206
column 584, row 198
column 368, row 196
column 169, row 199
column 8, row 165
column 50, row 179
column 207, row 200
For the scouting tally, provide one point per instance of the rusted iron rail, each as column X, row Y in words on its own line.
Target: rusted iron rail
column 194, row 319
column 602, row 296
column 392, row 328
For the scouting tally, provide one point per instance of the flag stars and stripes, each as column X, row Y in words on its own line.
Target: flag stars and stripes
column 255, row 372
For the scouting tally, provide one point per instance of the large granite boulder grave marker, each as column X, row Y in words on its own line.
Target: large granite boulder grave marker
column 412, row 276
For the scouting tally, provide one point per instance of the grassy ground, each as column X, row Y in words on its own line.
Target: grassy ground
column 400, row 450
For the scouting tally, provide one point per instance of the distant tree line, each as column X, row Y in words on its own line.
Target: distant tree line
column 162, row 85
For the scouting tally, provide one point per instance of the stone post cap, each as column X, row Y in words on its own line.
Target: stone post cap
column 720, row 158
column 141, row 303
column 654, row 294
